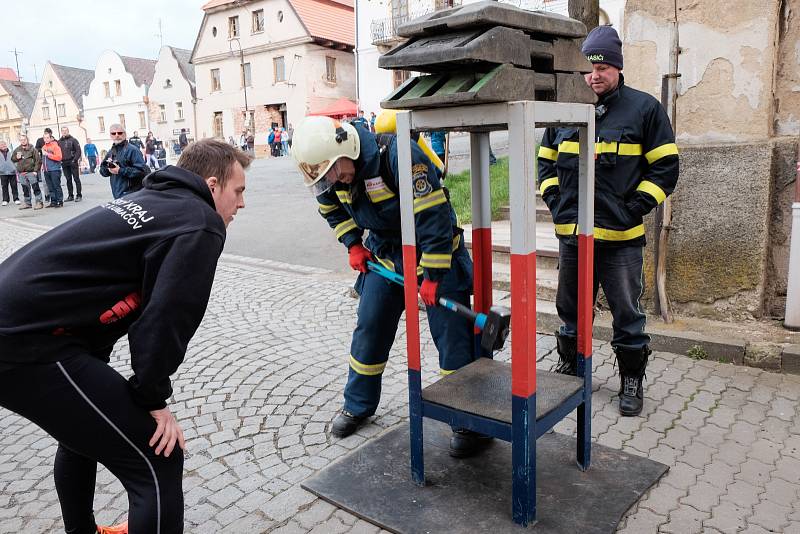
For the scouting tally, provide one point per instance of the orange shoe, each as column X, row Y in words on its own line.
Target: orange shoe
column 122, row 528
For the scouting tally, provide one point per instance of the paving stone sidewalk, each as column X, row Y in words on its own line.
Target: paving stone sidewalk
column 264, row 375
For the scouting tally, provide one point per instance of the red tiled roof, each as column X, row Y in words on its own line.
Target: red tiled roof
column 331, row 20
column 8, row 74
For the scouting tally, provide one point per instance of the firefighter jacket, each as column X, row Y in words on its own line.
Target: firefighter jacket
column 636, row 168
column 372, row 202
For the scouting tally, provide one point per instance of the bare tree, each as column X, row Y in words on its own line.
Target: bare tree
column 586, row 11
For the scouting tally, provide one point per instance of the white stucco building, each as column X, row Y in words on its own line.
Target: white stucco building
column 118, row 94
column 378, row 20
column 172, row 99
column 59, row 102
column 284, row 58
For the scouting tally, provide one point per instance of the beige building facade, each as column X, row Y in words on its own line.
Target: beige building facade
column 737, row 126
column 59, row 102
column 285, row 58
column 16, row 105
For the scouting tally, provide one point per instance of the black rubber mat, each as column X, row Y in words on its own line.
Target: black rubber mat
column 474, row 495
column 484, row 388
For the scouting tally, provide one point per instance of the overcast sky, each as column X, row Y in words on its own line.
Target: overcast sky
column 75, row 33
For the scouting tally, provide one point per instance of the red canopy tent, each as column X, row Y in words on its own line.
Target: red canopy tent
column 341, row 108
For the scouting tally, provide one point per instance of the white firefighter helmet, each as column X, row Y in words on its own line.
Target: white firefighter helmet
column 317, row 142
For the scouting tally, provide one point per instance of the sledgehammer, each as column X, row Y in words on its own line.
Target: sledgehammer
column 495, row 325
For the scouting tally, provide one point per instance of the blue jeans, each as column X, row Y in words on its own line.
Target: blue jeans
column 619, row 271
column 53, row 179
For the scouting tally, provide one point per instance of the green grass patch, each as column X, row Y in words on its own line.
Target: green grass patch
column 461, row 190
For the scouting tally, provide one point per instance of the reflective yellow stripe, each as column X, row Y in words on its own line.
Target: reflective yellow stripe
column 430, row 200
column 605, row 146
column 379, row 195
column 669, row 149
column 618, row 235
column 548, row 153
column 445, row 372
column 603, row 233
column 344, row 227
column 366, row 369
column 549, row 182
column 565, row 229
column 456, row 242
column 327, row 208
column 629, row 149
column 435, row 261
column 653, row 190
column 568, row 147
column 389, row 264
column 344, row 197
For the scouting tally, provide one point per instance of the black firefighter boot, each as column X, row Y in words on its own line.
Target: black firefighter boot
column 346, row 423
column 567, row 347
column 632, row 364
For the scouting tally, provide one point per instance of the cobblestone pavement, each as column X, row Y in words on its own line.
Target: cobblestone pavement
column 264, row 376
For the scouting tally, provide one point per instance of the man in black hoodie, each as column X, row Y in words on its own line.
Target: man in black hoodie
column 70, row 164
column 141, row 265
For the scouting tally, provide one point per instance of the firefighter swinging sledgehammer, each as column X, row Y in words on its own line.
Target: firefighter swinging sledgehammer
column 354, row 179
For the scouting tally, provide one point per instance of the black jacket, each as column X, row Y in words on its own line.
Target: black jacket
column 141, row 265
column 70, row 150
column 636, row 168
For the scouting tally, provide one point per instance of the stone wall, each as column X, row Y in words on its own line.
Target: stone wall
column 738, row 118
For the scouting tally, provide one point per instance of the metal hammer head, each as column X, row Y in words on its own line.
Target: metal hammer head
column 495, row 331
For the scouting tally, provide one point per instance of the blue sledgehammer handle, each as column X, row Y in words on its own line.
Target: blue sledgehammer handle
column 478, row 318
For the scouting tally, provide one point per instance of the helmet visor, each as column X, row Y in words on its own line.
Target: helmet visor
column 320, row 186
column 313, row 172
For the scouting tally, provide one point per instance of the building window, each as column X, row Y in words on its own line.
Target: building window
column 101, row 124
column 258, row 21
column 179, row 111
column 62, row 110
column 250, row 118
column 217, row 124
column 122, row 120
column 118, row 87
column 330, row 69
column 106, row 89
column 216, row 84
column 247, row 80
column 46, row 113
column 142, row 121
column 233, row 27
column 4, row 113
column 167, row 83
column 162, row 113
column 280, row 69
column 400, row 76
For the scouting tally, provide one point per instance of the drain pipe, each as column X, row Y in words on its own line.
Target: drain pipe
column 791, row 320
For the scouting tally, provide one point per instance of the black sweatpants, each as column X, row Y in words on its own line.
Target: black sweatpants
column 86, row 406
column 72, row 172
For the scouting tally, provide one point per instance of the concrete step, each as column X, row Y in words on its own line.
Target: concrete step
column 542, row 213
column 546, row 243
column 546, row 280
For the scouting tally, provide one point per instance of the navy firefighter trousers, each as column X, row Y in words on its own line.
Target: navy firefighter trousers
column 379, row 311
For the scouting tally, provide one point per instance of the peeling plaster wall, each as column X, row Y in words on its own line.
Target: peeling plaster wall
column 738, row 100
column 787, row 86
column 726, row 64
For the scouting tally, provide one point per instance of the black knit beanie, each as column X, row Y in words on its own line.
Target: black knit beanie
column 603, row 45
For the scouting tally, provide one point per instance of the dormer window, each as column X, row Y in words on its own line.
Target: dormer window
column 167, row 83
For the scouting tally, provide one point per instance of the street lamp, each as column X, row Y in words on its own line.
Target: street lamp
column 55, row 107
column 244, row 81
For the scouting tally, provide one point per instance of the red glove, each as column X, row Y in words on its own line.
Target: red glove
column 428, row 292
column 359, row 256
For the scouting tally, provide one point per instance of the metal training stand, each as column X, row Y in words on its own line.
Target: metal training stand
column 477, row 396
